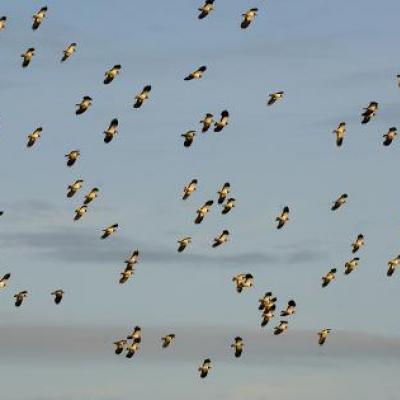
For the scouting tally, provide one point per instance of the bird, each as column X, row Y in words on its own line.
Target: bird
column 111, row 131
column 281, row 328
column 266, row 301
column 34, row 136
column 351, row 265
column 206, row 9
column 339, row 202
column 358, row 243
column 274, row 97
column 197, row 74
column 323, row 335
column 91, row 196
column 230, row 203
column 133, row 258
column 340, row 132
column 268, row 315
column 221, row 239
column 392, row 264
column 183, row 243
column 39, row 17
column 167, row 340
column 202, row 211
column 126, row 274
column 109, row 231
column 80, row 212
column 111, row 74
column 58, row 295
column 369, row 112
column 243, row 281
column 223, row 192
column 329, row 277
column 136, row 335
column 207, row 121
column 3, row 21
column 205, row 368
column 120, row 346
column 1, row 213
column 390, row 136
column 132, row 349
column 19, row 297
column 74, row 187
column 72, row 156
column 290, row 309
column 398, row 80
column 238, row 346
column 84, row 105
column 189, row 138
column 223, row 122
column 4, row 280
column 189, row 189
column 248, row 17
column 27, row 56
column 68, row 52
column 142, row 96
column 282, row 218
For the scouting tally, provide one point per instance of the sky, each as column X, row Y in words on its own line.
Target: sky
column 331, row 59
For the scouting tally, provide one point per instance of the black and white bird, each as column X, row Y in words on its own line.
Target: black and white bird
column 80, row 212
column 221, row 239
column 27, row 56
column 167, row 340
column 369, row 112
column 142, row 96
column 111, row 74
column 39, row 17
column 183, row 243
column 206, row 9
column 238, row 345
column 392, row 265
column 390, row 136
column 339, row 202
column 268, row 315
column 230, row 203
column 68, row 52
column 110, row 230
column 248, row 17
column 223, row 121
column 274, row 97
column 189, row 138
column 111, row 131
column 281, row 328
column 207, row 121
column 323, row 335
column 243, row 281
column 197, row 74
column 205, row 368
column 92, row 195
column 351, row 265
column 136, row 335
column 290, row 309
column 266, row 301
column 189, row 189
column 58, row 295
column 282, row 218
column 84, row 105
column 72, row 156
column 74, row 187
column 202, row 211
column 223, row 192
column 20, row 297
column 3, row 21
column 340, row 133
column 34, row 136
column 329, row 277
column 4, row 280
column 358, row 243
column 120, row 346
column 132, row 349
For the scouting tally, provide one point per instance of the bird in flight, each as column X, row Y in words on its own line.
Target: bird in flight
column 322, row 336
column 20, row 297
column 120, row 346
column 68, row 52
column 283, row 218
column 339, row 202
column 243, row 281
column 110, row 230
column 340, row 132
column 248, row 17
column 221, row 239
column 223, row 192
column 74, row 187
column 189, row 189
column 358, row 243
column 34, row 136
column 58, row 295
column 39, row 17
column 205, row 368
column 369, row 112
column 197, row 74
column 111, row 74
column 142, row 96
column 27, row 56
column 230, row 203
column 329, row 277
column 84, row 105
column 390, row 136
column 202, row 211
column 189, row 138
column 207, row 121
column 281, row 328
column 392, row 265
column 72, row 156
column 238, row 345
column 290, row 309
column 111, row 131
column 4, row 280
column 91, row 196
column 183, row 243
column 167, row 340
column 274, row 97
column 3, row 21
column 80, row 212
column 351, row 265
column 223, row 122
column 206, row 9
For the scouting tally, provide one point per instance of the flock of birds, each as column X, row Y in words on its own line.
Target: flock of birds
column 267, row 304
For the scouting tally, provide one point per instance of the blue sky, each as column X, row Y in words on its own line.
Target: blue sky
column 331, row 59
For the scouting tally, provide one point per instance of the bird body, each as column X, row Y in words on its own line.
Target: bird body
column 205, row 368
column 329, row 277
column 167, row 340
column 74, row 187
column 238, row 345
column 393, row 264
column 290, row 309
column 34, row 136
column 223, row 192
column 4, row 280
column 390, row 136
column 132, row 349
column 206, row 9
column 38, row 18
column 221, row 239
column 322, row 336
column 223, row 122
column 183, row 243
column 58, row 295
column 207, row 121
column 111, row 131
column 92, row 195
column 267, row 316
column 72, row 156
column 142, row 96
column 189, row 138
column 120, row 346
column 109, row 231
column 274, row 97
column 20, row 297
column 3, row 21
column 281, row 328
column 190, row 188
column 84, row 105
column 197, row 74
column 248, row 17
column 136, row 335
column 266, row 301
column 243, row 281
column 340, row 132
column 359, row 242
column 202, row 211
column 351, row 265
column 80, row 212
column 339, row 202
column 27, row 56
column 283, row 218
column 228, row 205
column 111, row 74
column 68, row 52
column 369, row 112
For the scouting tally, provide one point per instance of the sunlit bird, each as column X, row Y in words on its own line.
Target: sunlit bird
column 110, row 230
column 351, row 265
column 392, row 265
column 39, row 17
column 133, row 258
column 27, row 56
column 230, row 203
column 189, row 189
column 266, row 301
column 84, row 105
column 248, row 17
column 206, row 8
column 197, row 74
column 205, row 368
column 238, row 345
column 323, row 335
column 3, row 21
column 202, row 211
column 120, row 346
column 281, row 328
column 329, row 277
column 136, row 335
column 4, row 280
column 189, row 138
column 223, row 192
column 390, row 136
column 221, row 239
column 74, row 187
column 80, row 212
column 282, row 218
column 142, row 96
column 340, row 133
column 126, row 274
column 207, row 121
column 290, row 309
column 183, row 243
column 72, row 156
column 111, row 74
column 167, row 340
column 34, row 136
column 268, row 315
column 132, row 349
column 20, row 297
column 243, row 281
column 58, row 295
column 339, row 202
column 274, row 97
column 223, row 121
column 358, row 243
column 111, row 131
column 369, row 112
column 68, row 52
column 92, row 195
